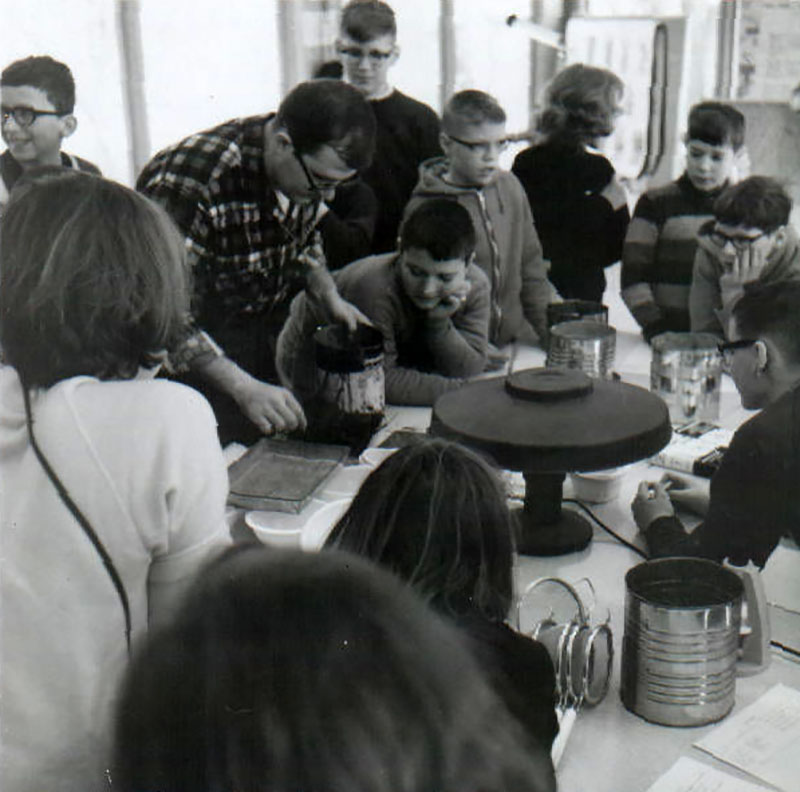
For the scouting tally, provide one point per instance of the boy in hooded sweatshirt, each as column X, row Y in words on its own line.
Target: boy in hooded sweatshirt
column 507, row 246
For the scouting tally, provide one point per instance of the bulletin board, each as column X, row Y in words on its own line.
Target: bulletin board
column 768, row 39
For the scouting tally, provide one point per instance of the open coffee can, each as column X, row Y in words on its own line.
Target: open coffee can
column 681, row 641
column 587, row 346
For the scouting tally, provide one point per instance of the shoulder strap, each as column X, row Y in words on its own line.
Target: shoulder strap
column 108, row 563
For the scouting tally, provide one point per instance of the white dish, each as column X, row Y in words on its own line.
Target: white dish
column 375, row 456
column 307, row 530
column 320, row 524
column 344, row 482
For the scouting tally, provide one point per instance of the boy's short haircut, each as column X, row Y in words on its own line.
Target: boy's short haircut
column 46, row 74
column 773, row 310
column 756, row 202
column 330, row 112
column 441, row 227
column 365, row 20
column 470, row 107
column 716, row 123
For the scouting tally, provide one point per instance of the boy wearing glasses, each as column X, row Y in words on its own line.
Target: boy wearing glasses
column 407, row 131
column 661, row 241
column 753, row 498
column 37, row 95
column 251, row 196
column 507, row 246
column 749, row 239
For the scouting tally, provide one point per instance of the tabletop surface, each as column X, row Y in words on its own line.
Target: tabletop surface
column 609, row 749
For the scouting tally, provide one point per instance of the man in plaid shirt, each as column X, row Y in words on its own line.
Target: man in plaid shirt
column 251, row 197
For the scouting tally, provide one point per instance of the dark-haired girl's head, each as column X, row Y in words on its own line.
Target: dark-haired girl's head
column 435, row 514
column 320, row 672
column 581, row 105
column 92, row 279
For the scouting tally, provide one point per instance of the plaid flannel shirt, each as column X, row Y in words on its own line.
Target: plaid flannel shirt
column 243, row 238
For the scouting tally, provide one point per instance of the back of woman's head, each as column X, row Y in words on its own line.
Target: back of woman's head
column 435, row 514
column 581, row 104
column 92, row 279
column 317, row 672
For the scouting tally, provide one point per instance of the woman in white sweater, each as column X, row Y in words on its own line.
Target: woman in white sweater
column 113, row 482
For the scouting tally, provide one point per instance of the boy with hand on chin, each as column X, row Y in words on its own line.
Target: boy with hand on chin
column 660, row 245
column 407, row 131
column 429, row 300
column 507, row 247
column 749, row 240
column 37, row 97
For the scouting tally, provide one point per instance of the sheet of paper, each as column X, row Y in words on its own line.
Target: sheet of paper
column 762, row 739
column 689, row 775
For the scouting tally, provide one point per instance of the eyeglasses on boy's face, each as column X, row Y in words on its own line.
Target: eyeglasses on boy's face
column 740, row 243
column 24, row 116
column 481, row 146
column 375, row 56
column 727, row 348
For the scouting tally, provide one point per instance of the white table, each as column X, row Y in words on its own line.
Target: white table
column 611, row 749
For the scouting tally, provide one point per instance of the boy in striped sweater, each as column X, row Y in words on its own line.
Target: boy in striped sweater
column 660, row 245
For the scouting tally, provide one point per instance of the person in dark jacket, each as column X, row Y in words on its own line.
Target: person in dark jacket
column 753, row 499
column 579, row 207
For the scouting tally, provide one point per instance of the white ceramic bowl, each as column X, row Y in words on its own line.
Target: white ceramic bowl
column 344, row 482
column 307, row 530
column 375, row 456
column 599, row 486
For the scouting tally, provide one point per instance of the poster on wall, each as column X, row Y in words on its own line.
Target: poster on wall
column 769, row 49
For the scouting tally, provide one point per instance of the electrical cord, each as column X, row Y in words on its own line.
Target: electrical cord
column 608, row 530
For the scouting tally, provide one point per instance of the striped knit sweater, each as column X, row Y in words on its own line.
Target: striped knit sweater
column 658, row 254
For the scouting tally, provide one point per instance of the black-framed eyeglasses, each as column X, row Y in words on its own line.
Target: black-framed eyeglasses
column 481, row 146
column 740, row 243
column 25, row 116
column 374, row 55
column 726, row 348
column 315, row 184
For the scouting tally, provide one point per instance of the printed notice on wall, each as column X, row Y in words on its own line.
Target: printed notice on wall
column 762, row 739
column 689, row 775
column 769, row 49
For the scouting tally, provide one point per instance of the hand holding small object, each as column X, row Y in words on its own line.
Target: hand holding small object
column 686, row 493
column 651, row 502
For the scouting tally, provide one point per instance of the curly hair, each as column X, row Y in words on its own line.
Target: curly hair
column 93, row 279
column 435, row 514
column 581, row 105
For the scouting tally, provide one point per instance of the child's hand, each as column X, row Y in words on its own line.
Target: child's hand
column 686, row 493
column 650, row 503
column 453, row 300
column 746, row 266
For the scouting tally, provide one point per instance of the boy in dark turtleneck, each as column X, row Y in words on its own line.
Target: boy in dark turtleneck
column 407, row 130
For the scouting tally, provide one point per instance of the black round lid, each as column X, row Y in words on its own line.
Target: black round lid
column 538, row 420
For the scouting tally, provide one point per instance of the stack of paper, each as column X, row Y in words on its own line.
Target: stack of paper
column 762, row 739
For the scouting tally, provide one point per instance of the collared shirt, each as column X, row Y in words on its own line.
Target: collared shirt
column 243, row 237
